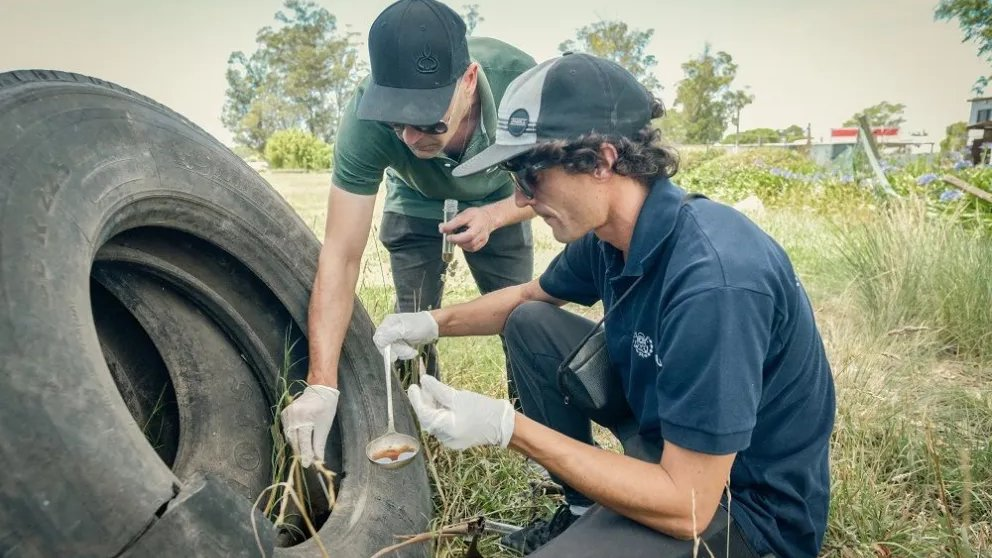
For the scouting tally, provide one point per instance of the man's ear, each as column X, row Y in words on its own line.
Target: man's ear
column 471, row 78
column 607, row 158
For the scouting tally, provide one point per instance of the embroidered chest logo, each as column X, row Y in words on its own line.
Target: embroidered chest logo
column 643, row 345
column 427, row 63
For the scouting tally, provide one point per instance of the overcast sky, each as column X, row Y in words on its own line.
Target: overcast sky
column 806, row 61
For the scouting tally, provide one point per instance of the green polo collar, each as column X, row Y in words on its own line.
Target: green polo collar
column 485, row 133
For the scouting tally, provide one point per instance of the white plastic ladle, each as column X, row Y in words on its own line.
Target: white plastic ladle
column 392, row 450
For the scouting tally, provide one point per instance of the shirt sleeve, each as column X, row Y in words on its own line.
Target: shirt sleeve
column 570, row 275
column 712, row 347
column 360, row 152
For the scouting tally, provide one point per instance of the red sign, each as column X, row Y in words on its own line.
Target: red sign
column 853, row 132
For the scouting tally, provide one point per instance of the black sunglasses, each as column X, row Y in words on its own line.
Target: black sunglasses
column 435, row 129
column 525, row 177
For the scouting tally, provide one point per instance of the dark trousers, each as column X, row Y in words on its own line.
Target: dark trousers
column 538, row 337
column 414, row 246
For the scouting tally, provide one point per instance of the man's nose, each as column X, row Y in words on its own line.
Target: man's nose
column 411, row 135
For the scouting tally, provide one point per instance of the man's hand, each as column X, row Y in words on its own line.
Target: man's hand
column 404, row 332
column 479, row 223
column 306, row 422
column 461, row 419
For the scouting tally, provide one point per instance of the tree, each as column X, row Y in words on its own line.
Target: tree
column 975, row 19
column 957, row 137
column 766, row 135
column 471, row 17
column 738, row 100
column 883, row 114
column 613, row 40
column 793, row 133
column 299, row 77
column 754, row 136
column 672, row 126
column 705, row 98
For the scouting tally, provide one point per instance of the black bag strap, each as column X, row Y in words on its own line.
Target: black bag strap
column 564, row 366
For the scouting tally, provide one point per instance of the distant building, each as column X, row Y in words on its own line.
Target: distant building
column 889, row 139
column 850, row 134
column 981, row 110
column 980, row 129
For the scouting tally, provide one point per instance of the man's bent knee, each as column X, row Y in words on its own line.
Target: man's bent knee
column 525, row 317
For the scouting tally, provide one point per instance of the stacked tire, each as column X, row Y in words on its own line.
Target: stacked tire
column 152, row 288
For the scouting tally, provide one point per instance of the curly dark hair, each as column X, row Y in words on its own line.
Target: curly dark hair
column 643, row 157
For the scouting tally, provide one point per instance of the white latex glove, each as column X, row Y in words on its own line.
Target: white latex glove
column 461, row 419
column 307, row 421
column 403, row 332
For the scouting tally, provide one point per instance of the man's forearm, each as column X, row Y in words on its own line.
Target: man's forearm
column 487, row 314
column 505, row 212
column 642, row 491
column 331, row 305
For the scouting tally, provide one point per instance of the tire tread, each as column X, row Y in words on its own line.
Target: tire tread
column 21, row 78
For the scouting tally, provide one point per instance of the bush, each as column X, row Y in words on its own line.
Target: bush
column 692, row 158
column 780, row 177
column 296, row 149
column 923, row 179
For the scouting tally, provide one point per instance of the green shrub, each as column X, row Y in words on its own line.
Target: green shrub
column 692, row 158
column 296, row 149
column 780, row 177
column 923, row 179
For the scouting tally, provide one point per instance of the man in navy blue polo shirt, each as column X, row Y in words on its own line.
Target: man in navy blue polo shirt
column 710, row 336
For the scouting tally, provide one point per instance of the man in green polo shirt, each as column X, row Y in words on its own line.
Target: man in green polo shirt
column 429, row 104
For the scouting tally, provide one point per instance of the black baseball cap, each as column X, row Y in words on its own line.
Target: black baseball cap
column 418, row 50
column 564, row 98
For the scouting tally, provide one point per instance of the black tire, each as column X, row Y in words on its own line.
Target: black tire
column 129, row 236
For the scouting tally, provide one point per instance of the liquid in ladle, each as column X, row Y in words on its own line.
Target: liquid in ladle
column 393, row 454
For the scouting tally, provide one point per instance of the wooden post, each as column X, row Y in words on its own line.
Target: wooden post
column 964, row 186
column 984, row 151
column 871, row 148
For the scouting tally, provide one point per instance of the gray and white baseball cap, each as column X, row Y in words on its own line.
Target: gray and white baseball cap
column 562, row 99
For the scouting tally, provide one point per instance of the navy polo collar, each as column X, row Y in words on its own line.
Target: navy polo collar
column 654, row 226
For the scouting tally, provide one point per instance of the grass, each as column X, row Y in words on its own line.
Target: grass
column 289, row 502
column 911, row 455
column 912, row 267
column 154, row 426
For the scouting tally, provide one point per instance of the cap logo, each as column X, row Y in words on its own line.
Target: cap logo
column 427, row 63
column 518, row 122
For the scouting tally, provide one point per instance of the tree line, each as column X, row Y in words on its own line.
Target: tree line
column 305, row 68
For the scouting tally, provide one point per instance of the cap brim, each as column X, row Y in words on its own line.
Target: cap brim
column 418, row 107
column 489, row 157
